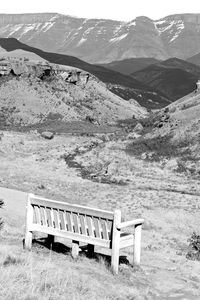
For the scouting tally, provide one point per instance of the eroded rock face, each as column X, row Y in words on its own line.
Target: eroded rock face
column 40, row 69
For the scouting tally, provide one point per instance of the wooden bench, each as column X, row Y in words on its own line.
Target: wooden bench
column 82, row 224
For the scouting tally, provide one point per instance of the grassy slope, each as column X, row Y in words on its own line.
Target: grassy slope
column 168, row 202
column 47, row 274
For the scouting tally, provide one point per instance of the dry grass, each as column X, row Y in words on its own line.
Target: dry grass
column 168, row 202
column 46, row 274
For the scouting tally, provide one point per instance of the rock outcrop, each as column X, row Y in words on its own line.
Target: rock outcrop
column 39, row 92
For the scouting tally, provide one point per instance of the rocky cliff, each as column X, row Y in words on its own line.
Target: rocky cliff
column 32, row 93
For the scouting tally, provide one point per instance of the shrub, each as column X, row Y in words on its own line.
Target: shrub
column 194, row 247
column 11, row 260
column 1, row 204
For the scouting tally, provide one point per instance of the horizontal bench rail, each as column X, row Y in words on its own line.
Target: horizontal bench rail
column 130, row 223
column 72, row 208
column 71, row 236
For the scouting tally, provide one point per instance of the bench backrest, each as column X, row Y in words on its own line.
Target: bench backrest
column 81, row 220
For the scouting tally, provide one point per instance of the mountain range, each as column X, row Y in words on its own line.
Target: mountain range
column 103, row 41
column 152, row 62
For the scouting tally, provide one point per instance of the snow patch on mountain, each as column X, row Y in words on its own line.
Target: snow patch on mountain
column 15, row 28
column 173, row 27
column 117, row 29
column 132, row 23
column 81, row 41
column 119, row 38
column 163, row 25
column 180, row 26
column 47, row 26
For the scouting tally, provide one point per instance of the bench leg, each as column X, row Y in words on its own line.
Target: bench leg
column 50, row 240
column 115, row 242
column 75, row 249
column 115, row 259
column 90, row 249
column 28, row 240
column 137, row 244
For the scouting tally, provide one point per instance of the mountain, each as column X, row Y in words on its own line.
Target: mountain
column 174, row 77
column 36, row 92
column 195, row 59
column 127, row 87
column 103, row 41
column 131, row 65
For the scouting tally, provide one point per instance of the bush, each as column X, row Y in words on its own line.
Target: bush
column 1, row 204
column 194, row 247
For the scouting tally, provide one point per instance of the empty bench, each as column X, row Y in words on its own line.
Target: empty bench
column 82, row 225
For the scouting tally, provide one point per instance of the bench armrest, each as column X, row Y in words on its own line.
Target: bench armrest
column 130, row 223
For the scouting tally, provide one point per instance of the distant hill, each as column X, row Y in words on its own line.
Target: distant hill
column 150, row 97
column 131, row 65
column 195, row 59
column 174, row 77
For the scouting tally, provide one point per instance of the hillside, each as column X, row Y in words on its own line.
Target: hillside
column 175, row 78
column 172, row 135
column 148, row 96
column 195, row 59
column 103, row 41
column 131, row 65
column 38, row 92
column 169, row 203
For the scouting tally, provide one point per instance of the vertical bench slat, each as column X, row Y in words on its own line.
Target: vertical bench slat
column 83, row 226
column 37, row 214
column 59, row 220
column 97, row 228
column 90, row 227
column 34, row 215
column 109, row 226
column 100, row 229
column 104, row 229
column 49, row 219
column 69, row 221
column 75, row 221
column 52, row 218
column 65, row 220
column 43, row 214
column 62, row 221
column 55, row 213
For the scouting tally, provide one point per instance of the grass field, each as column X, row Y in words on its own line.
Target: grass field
column 168, row 201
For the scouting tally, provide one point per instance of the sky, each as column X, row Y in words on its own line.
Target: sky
column 122, row 10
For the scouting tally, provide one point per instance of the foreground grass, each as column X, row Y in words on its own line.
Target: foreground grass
column 45, row 274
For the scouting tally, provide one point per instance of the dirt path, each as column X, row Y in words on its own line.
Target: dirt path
column 14, row 205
